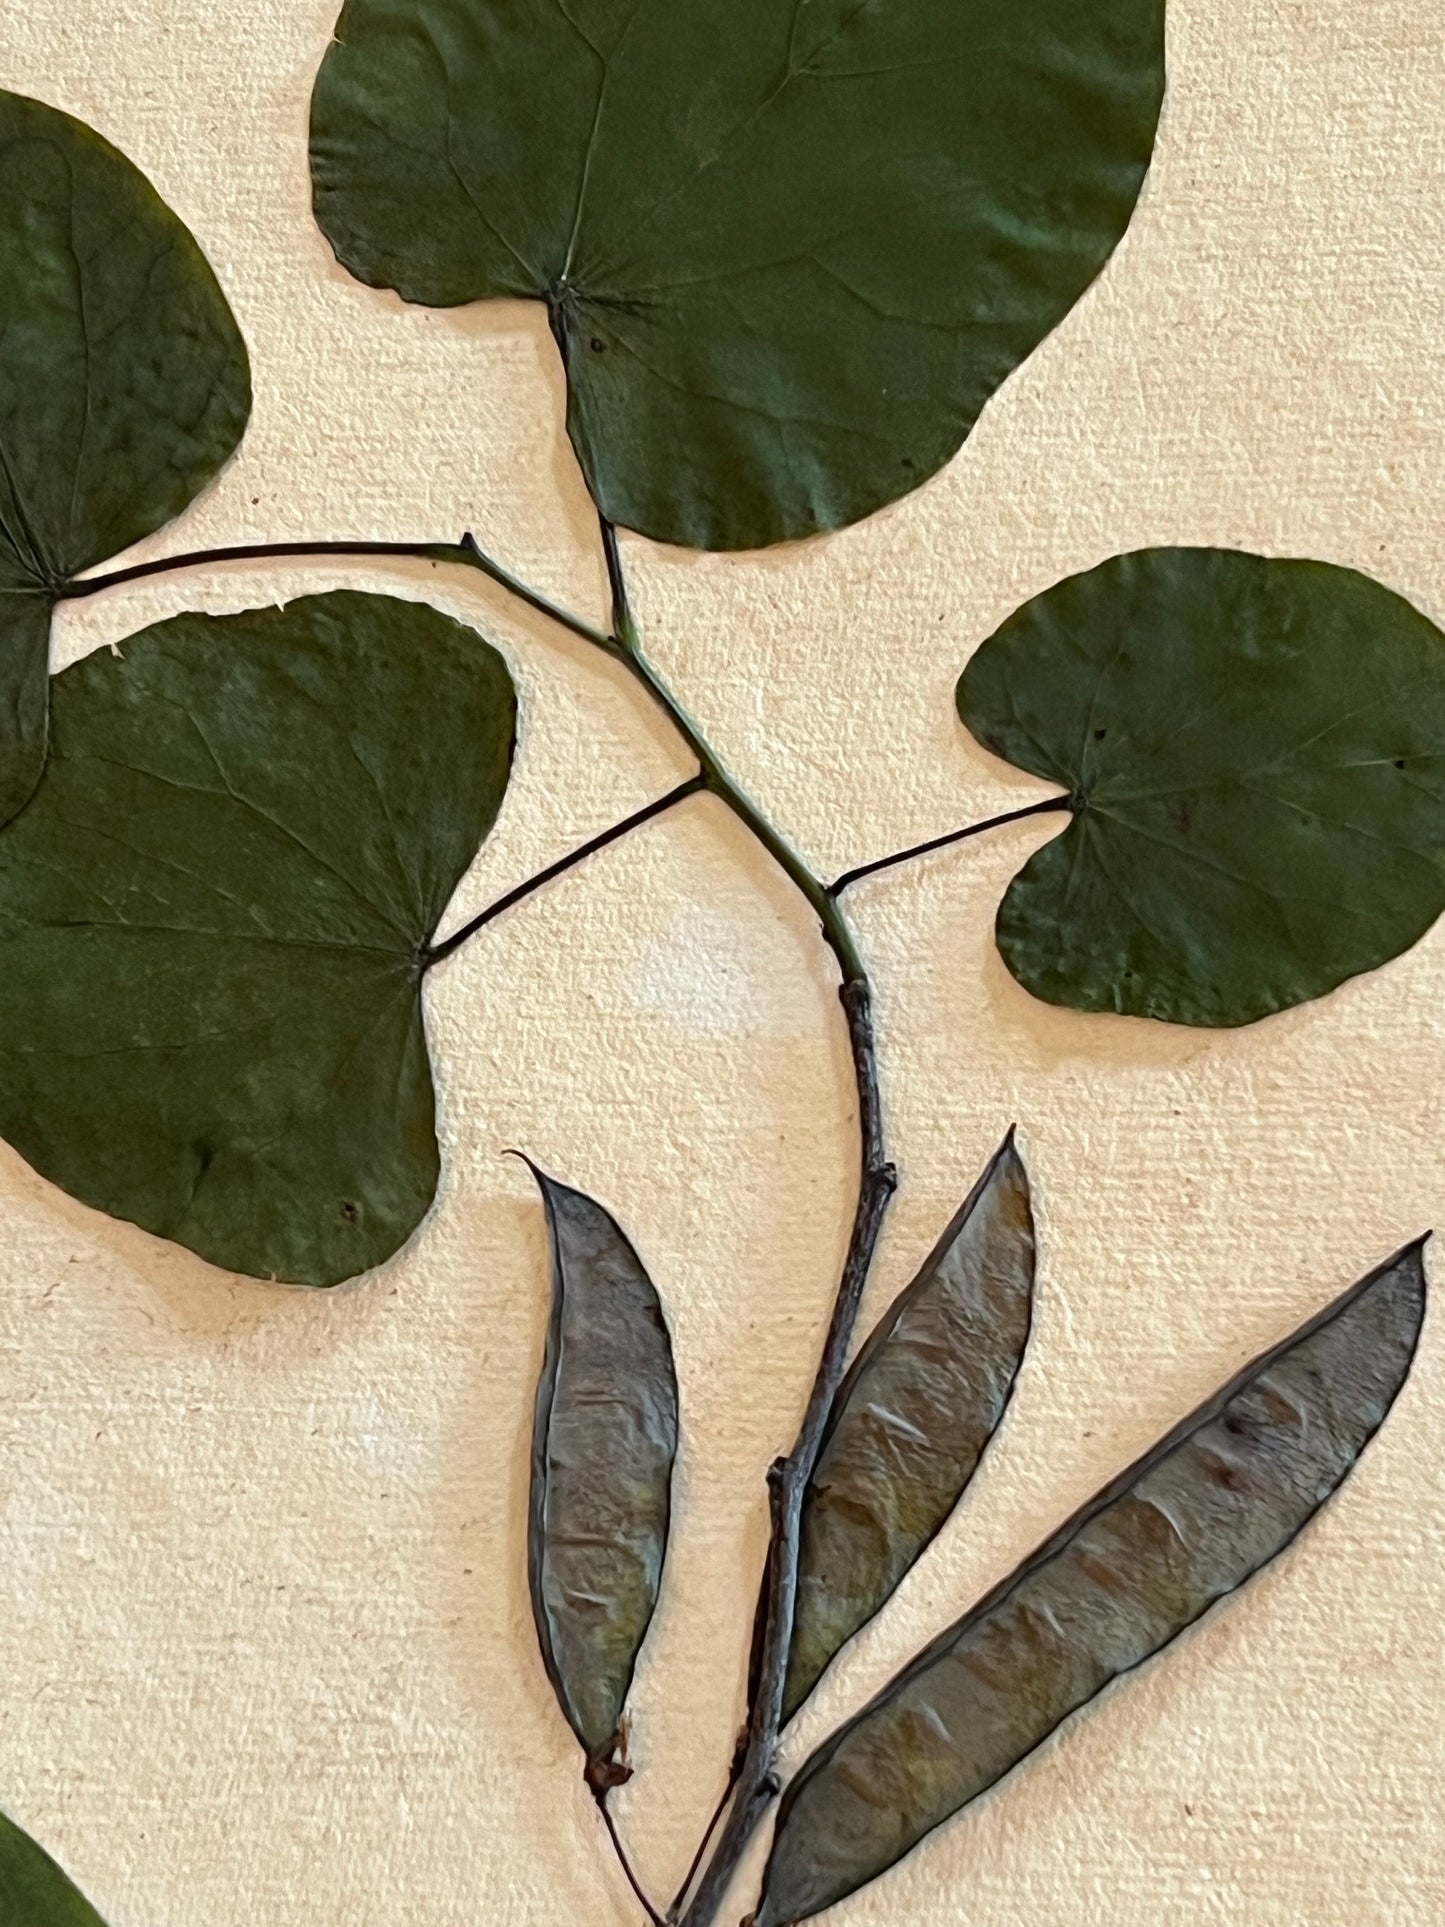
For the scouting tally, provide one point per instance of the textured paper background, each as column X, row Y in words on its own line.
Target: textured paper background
column 267, row 1655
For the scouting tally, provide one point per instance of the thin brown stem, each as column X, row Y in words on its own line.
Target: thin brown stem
column 438, row 951
column 636, row 1885
column 466, row 554
column 757, row 1784
column 724, row 1802
column 850, row 877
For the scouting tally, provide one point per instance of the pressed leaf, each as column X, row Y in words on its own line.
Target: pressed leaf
column 602, row 1454
column 213, row 916
column 1255, row 752
column 33, row 1890
column 789, row 250
column 912, row 1418
column 1210, row 1505
column 124, row 386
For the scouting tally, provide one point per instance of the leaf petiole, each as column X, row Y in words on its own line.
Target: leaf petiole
column 468, row 553
column 850, row 877
column 616, row 1838
column 438, row 951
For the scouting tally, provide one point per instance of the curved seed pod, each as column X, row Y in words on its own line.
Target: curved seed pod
column 913, row 1417
column 603, row 1447
column 1211, row 1504
column 34, row 1892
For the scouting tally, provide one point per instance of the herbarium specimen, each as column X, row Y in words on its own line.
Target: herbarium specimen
column 787, row 254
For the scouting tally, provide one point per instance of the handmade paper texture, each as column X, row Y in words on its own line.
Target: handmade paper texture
column 267, row 1643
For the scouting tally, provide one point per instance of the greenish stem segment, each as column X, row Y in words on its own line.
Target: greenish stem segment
column 627, row 647
column 836, row 932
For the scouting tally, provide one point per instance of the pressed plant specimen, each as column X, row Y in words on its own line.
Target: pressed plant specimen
column 787, row 254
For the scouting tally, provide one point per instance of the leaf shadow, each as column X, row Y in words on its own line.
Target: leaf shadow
column 195, row 1299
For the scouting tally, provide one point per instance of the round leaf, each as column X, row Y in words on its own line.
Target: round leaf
column 213, row 917
column 1255, row 751
column 789, row 250
column 124, row 386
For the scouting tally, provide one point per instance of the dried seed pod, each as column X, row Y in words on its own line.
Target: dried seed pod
column 1212, row 1503
column 603, row 1447
column 913, row 1417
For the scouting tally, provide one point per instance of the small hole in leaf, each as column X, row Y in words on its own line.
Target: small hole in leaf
column 350, row 1212
column 1399, row 762
column 1100, row 734
column 597, row 345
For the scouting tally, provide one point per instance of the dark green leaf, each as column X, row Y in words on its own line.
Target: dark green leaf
column 24, row 690
column 33, row 1890
column 602, row 1455
column 789, row 250
column 1256, row 754
column 124, row 386
column 212, row 919
column 912, row 1418
column 1210, row 1505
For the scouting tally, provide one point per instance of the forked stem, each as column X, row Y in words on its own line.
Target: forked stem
column 724, row 1802
column 756, row 1785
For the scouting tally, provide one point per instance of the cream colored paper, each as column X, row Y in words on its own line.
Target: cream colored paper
column 267, row 1652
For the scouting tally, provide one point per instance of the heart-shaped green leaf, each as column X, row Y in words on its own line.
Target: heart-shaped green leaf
column 911, row 1420
column 33, row 1890
column 124, row 386
column 1197, row 1516
column 789, row 247
column 1255, row 752
column 602, row 1455
column 213, row 918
